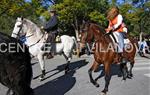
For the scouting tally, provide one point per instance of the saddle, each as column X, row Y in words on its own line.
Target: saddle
column 126, row 39
column 53, row 38
column 119, row 56
column 57, row 39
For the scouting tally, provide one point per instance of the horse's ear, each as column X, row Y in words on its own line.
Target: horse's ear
column 21, row 17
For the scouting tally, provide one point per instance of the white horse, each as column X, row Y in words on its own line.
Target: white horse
column 35, row 39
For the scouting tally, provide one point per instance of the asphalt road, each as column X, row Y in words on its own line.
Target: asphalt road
column 77, row 81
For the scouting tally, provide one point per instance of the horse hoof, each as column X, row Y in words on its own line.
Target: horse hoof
column 129, row 77
column 41, row 78
column 96, row 85
column 102, row 93
column 66, row 72
column 124, row 79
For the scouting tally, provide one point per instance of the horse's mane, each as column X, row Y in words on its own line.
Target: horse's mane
column 34, row 28
column 102, row 30
column 31, row 25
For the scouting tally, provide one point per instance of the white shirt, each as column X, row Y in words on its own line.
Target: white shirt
column 119, row 21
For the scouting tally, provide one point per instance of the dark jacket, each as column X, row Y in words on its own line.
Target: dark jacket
column 52, row 24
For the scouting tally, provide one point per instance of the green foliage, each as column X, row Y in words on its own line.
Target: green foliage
column 11, row 9
column 7, row 24
column 136, row 18
column 98, row 17
column 71, row 13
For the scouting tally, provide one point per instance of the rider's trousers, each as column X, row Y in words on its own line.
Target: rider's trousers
column 120, row 40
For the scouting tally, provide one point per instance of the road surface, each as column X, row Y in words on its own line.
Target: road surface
column 77, row 81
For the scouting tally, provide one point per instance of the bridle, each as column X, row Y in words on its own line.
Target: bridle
column 18, row 35
column 20, row 28
column 85, row 31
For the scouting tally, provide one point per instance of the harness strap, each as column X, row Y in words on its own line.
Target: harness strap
column 113, row 37
column 15, row 34
column 36, row 42
column 29, row 36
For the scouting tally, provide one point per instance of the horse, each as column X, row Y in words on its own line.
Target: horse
column 105, row 55
column 35, row 39
column 15, row 66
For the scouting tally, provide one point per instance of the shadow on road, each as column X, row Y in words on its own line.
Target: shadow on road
column 146, row 57
column 62, row 84
column 58, row 86
column 115, row 70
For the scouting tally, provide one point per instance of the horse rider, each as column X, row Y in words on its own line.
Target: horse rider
column 51, row 28
column 142, row 47
column 116, row 25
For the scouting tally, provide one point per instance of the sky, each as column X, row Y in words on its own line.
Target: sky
column 120, row 1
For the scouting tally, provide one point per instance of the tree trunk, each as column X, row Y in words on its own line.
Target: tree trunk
column 78, row 46
column 141, row 32
column 141, row 35
column 75, row 25
column 77, row 34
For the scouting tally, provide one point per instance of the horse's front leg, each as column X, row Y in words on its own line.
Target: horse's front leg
column 42, row 65
column 93, row 68
column 130, row 75
column 107, row 67
column 124, row 70
column 68, row 59
column 67, row 69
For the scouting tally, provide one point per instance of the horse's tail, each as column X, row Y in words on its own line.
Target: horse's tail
column 75, row 42
column 76, row 47
column 135, row 43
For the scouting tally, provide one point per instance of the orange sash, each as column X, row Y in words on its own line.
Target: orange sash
column 113, row 22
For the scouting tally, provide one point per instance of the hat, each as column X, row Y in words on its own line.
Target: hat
column 52, row 10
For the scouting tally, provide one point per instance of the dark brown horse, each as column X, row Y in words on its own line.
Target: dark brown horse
column 104, row 54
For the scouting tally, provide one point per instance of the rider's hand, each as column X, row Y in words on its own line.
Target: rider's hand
column 42, row 27
column 108, row 29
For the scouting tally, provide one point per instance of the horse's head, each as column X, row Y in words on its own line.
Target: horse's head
column 86, row 33
column 18, row 28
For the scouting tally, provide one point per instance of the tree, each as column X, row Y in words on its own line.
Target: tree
column 11, row 9
column 143, row 12
column 72, row 12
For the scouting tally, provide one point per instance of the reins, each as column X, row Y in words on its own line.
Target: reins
column 36, row 42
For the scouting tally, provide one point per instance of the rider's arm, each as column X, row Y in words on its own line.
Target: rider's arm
column 119, row 22
column 145, row 44
column 109, row 27
column 51, row 23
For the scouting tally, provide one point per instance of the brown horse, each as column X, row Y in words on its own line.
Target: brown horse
column 105, row 55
